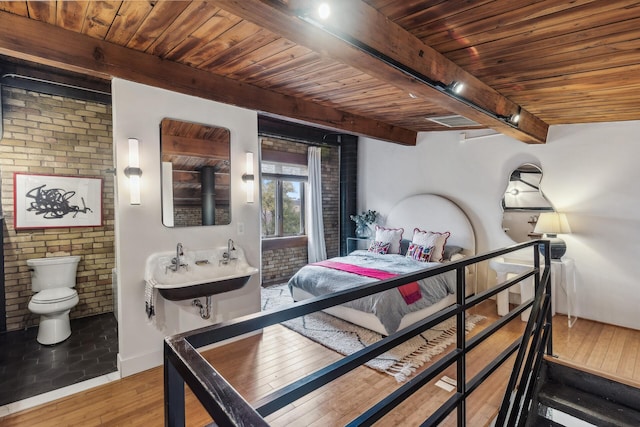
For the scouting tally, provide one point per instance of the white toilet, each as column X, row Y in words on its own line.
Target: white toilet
column 53, row 279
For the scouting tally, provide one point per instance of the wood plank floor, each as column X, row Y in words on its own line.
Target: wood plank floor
column 263, row 363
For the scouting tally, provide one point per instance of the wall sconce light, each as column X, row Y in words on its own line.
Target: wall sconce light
column 249, row 178
column 133, row 172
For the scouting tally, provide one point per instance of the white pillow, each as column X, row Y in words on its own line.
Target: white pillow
column 390, row 235
column 456, row 257
column 431, row 238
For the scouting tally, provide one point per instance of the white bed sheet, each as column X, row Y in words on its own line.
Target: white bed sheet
column 370, row 321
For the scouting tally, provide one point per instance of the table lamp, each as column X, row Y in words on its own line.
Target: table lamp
column 551, row 224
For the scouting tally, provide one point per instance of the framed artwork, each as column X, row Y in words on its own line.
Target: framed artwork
column 48, row 201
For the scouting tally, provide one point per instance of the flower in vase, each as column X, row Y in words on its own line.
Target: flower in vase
column 362, row 223
column 366, row 218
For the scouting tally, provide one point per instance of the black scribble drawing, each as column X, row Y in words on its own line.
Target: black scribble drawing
column 54, row 203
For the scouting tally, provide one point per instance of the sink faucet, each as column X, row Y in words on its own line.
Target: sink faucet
column 228, row 255
column 176, row 262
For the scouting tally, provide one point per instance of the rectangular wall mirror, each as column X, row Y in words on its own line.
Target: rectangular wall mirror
column 195, row 174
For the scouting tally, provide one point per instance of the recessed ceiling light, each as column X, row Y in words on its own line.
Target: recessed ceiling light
column 324, row 10
column 412, row 96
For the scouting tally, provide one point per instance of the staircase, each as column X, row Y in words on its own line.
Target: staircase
column 566, row 396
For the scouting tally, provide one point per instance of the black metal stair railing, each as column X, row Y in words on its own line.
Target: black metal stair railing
column 537, row 336
column 183, row 364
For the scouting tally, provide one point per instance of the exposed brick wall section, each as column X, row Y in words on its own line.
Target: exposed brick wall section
column 278, row 265
column 59, row 136
column 189, row 216
column 284, row 146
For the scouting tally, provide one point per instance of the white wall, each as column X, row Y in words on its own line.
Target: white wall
column 137, row 112
column 590, row 172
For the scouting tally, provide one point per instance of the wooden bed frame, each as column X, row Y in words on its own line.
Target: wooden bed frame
column 428, row 212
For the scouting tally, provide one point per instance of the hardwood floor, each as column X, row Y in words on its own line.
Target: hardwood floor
column 263, row 363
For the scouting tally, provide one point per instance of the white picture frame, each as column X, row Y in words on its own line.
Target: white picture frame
column 54, row 201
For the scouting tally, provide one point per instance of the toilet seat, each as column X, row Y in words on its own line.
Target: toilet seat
column 52, row 296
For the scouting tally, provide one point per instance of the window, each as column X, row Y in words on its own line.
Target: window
column 283, row 199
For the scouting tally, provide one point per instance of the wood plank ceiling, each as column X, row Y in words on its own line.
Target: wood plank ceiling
column 386, row 69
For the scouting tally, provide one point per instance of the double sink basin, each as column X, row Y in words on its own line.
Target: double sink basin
column 201, row 273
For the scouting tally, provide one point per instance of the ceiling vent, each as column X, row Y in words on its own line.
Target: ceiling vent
column 454, row 121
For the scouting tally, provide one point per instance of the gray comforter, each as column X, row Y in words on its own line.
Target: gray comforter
column 388, row 306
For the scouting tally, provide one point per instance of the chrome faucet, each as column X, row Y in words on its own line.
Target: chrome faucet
column 176, row 262
column 228, row 255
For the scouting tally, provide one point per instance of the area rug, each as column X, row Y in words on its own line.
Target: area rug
column 347, row 338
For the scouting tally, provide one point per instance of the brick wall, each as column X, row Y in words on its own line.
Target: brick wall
column 189, row 216
column 53, row 135
column 278, row 265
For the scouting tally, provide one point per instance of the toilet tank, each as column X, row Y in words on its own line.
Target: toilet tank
column 53, row 272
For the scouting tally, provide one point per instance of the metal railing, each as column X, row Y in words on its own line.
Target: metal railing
column 536, row 337
column 184, row 364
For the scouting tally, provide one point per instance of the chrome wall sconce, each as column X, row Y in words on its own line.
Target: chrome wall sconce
column 249, row 178
column 133, row 172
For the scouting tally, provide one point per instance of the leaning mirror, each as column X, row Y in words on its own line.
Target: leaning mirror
column 522, row 202
column 195, row 174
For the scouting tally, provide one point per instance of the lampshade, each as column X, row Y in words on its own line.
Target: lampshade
column 552, row 223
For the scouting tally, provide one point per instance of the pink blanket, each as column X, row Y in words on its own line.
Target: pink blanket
column 410, row 292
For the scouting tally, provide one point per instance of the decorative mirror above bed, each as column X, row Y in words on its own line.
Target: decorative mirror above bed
column 523, row 201
column 195, row 174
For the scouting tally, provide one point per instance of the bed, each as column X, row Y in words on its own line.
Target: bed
column 390, row 310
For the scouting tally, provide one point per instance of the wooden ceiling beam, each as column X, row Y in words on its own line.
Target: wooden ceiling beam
column 181, row 146
column 35, row 41
column 359, row 36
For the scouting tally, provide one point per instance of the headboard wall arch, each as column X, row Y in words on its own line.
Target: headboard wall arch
column 432, row 212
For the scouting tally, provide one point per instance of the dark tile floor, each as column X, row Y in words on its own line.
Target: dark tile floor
column 28, row 368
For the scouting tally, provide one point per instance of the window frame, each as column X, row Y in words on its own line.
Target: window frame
column 272, row 156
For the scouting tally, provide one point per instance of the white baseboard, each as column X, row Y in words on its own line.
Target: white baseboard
column 134, row 365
